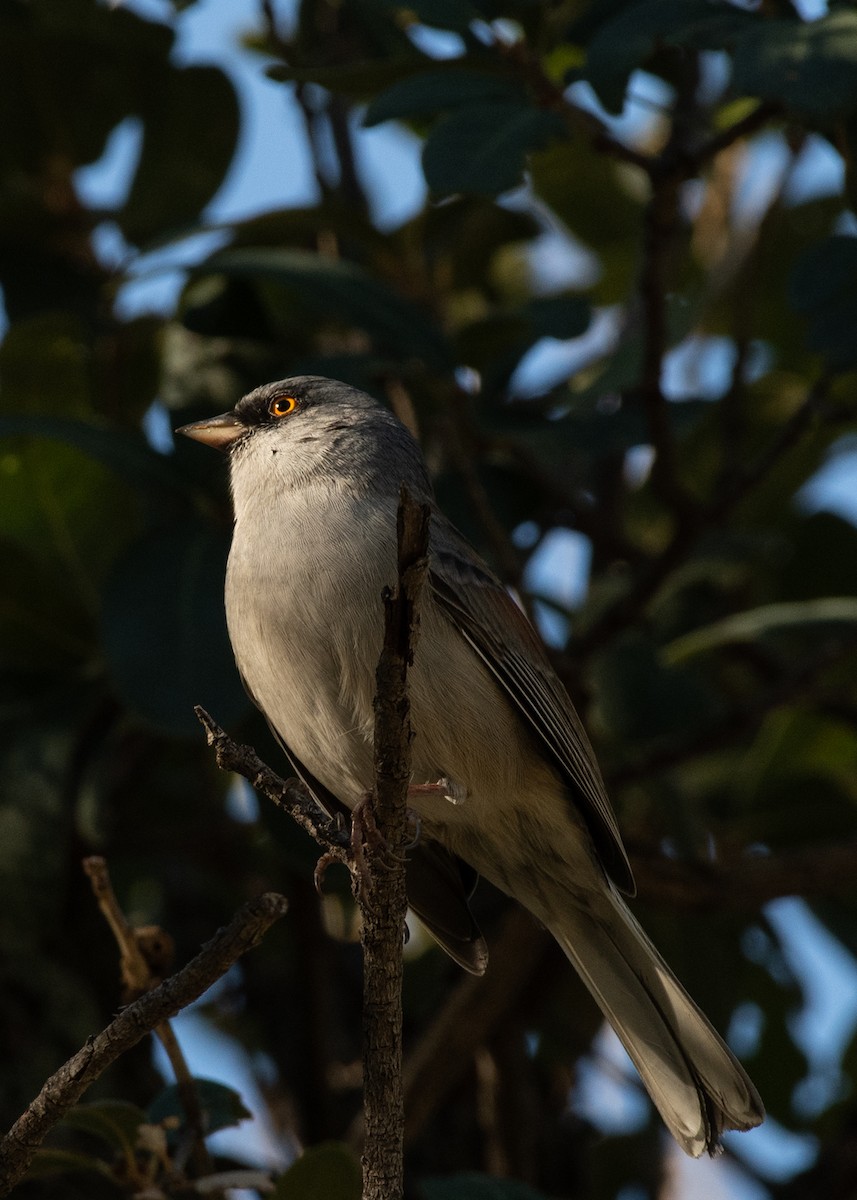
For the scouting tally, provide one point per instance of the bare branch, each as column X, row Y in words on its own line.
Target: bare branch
column 68, row 1084
column 290, row 795
column 383, row 908
column 747, row 882
column 140, row 976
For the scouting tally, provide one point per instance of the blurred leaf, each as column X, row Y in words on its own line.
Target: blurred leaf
column 824, row 287
column 798, row 753
column 54, row 501
column 164, row 629
column 483, row 148
column 360, row 78
column 467, row 232
column 810, row 66
column 823, row 558
column 639, row 700
column 757, row 622
column 335, row 287
column 48, row 1161
column 127, row 454
column 53, row 103
column 599, row 202
column 436, row 91
column 191, row 130
column 221, row 1106
column 626, row 42
column 565, row 316
column 112, row 1121
column 444, row 14
column 327, row 1171
column 472, row 1186
column 35, row 354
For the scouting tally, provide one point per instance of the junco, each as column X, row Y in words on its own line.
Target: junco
column 316, row 468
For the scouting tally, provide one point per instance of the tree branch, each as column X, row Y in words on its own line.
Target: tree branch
column 384, row 906
column 140, row 973
column 290, row 794
column 67, row 1085
column 747, row 882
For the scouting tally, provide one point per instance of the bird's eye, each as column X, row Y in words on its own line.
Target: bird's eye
column 282, row 406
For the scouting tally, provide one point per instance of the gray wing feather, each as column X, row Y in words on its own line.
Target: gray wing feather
column 486, row 615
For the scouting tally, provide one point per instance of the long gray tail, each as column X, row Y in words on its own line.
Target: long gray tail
column 698, row 1086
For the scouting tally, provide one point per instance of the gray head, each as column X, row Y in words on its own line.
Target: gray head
column 305, row 428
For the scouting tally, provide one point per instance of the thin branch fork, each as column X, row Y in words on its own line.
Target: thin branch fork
column 68, row 1084
column 140, row 973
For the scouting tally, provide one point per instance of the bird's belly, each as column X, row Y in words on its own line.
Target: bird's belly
column 306, row 643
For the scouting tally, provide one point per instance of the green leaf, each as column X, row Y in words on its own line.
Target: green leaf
column 483, row 148
column 640, row 699
column 595, row 199
column 328, row 1171
column 361, row 78
column 48, row 1161
column 113, row 1121
column 221, row 1106
column 342, row 289
column 191, row 130
column 455, row 15
column 823, row 285
column 52, row 100
column 757, row 622
column 626, row 42
column 810, row 66
column 437, row 91
column 127, row 454
column 164, row 629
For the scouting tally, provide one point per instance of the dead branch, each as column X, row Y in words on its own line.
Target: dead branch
column 383, row 907
column 68, row 1084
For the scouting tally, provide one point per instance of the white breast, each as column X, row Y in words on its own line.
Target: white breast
column 305, row 620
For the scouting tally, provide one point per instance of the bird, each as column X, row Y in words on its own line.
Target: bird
column 506, row 783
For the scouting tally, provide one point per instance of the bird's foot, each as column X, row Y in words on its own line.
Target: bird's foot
column 449, row 789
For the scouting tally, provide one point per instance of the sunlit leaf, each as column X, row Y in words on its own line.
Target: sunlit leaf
column 756, row 623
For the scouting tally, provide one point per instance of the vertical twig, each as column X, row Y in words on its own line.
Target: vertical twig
column 138, row 977
column 384, row 904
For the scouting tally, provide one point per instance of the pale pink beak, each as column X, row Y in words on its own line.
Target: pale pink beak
column 219, row 432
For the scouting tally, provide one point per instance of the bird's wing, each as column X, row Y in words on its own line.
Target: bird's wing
column 438, row 883
column 487, row 616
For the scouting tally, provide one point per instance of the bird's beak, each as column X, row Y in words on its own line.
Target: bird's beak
column 219, row 432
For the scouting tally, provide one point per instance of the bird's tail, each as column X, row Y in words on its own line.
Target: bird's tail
column 698, row 1086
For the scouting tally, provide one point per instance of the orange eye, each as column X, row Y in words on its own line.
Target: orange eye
column 282, row 406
